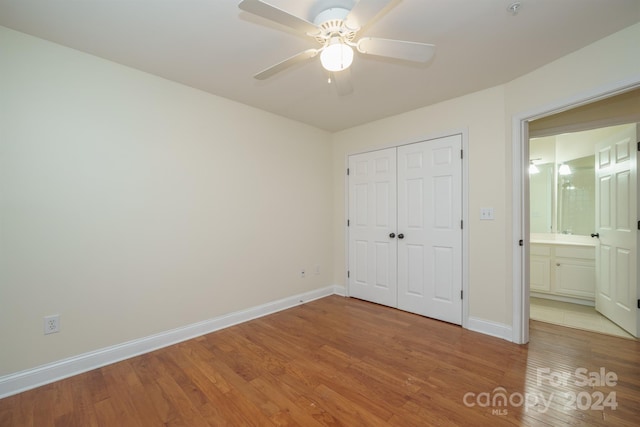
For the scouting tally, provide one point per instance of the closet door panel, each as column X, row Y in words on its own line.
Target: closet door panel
column 372, row 217
column 429, row 215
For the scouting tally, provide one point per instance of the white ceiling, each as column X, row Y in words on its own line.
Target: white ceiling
column 213, row 46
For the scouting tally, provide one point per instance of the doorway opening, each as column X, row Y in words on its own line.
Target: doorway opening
column 588, row 111
column 564, row 241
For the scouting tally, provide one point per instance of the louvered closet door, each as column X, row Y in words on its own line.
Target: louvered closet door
column 429, row 217
column 372, row 218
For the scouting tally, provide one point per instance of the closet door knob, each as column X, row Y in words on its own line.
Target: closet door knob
column 400, row 236
column 595, row 235
column 392, row 235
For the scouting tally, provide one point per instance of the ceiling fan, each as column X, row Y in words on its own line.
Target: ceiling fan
column 335, row 29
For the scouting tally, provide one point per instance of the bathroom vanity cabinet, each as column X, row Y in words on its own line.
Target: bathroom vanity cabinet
column 563, row 269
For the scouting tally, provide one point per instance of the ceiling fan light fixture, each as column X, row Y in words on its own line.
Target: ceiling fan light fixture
column 337, row 56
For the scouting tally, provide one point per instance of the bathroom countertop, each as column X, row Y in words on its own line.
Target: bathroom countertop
column 562, row 239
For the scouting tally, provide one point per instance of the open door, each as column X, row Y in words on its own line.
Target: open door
column 617, row 229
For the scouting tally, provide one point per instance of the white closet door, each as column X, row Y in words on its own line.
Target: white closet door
column 372, row 217
column 429, row 221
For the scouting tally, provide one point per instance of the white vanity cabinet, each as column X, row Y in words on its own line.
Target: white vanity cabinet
column 540, row 267
column 564, row 270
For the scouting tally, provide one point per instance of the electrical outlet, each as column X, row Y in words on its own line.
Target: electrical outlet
column 302, row 273
column 52, row 324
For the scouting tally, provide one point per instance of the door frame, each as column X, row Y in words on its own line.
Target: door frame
column 463, row 132
column 520, row 212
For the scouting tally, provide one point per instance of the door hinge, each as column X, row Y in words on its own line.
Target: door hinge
column 462, row 154
column 639, row 303
column 638, row 145
column 461, row 225
column 461, row 293
column 638, row 225
column 348, row 223
column 347, row 171
column 520, row 242
column 348, row 274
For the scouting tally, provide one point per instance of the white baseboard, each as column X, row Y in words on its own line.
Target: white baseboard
column 340, row 290
column 487, row 327
column 31, row 378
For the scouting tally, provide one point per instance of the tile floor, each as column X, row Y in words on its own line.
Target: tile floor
column 573, row 316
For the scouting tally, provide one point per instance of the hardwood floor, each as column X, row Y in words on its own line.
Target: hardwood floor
column 344, row 362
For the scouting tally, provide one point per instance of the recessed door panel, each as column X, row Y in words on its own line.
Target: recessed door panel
column 415, row 270
column 604, row 272
column 443, row 265
column 361, row 205
column 382, row 265
column 415, row 203
column 443, row 203
column 604, row 208
column 623, row 285
column 383, row 199
column 623, row 185
column 361, row 259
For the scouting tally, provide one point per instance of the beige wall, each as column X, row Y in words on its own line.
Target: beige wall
column 132, row 205
column 605, row 62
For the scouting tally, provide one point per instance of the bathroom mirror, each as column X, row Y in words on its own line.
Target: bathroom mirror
column 577, row 197
column 562, row 181
column 542, row 194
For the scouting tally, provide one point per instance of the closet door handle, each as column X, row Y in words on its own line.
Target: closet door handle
column 595, row 235
column 392, row 235
column 400, row 236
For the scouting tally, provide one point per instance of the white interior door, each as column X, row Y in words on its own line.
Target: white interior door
column 616, row 216
column 429, row 222
column 372, row 219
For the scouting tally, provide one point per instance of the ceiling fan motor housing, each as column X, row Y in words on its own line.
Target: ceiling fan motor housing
column 332, row 24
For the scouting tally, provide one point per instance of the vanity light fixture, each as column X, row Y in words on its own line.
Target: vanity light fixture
column 564, row 169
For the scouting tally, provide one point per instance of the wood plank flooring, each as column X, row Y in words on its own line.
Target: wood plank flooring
column 344, row 362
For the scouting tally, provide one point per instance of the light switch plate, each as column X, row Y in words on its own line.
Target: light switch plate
column 486, row 213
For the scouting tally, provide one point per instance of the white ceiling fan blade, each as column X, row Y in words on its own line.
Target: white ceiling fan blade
column 398, row 49
column 342, row 81
column 272, row 13
column 300, row 57
column 364, row 11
